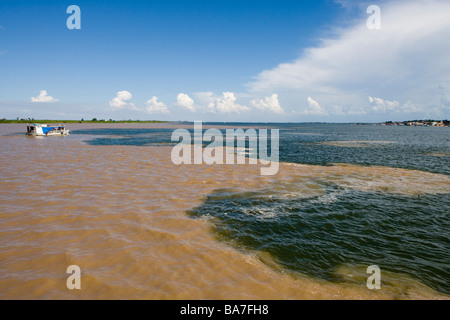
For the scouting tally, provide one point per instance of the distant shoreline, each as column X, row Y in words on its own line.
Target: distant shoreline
column 411, row 123
column 80, row 121
column 418, row 123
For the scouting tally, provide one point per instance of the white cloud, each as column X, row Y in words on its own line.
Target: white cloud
column 43, row 97
column 227, row 104
column 224, row 104
column 185, row 102
column 314, row 108
column 268, row 103
column 382, row 105
column 407, row 59
column 379, row 104
column 206, row 99
column 120, row 101
column 155, row 106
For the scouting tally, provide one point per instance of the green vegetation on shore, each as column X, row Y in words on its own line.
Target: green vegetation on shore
column 420, row 123
column 94, row 120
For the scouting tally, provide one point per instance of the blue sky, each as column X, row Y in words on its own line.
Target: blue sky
column 253, row 60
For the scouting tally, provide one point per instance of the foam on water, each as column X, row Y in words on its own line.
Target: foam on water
column 356, row 144
column 350, row 213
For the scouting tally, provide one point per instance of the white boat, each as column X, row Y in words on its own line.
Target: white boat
column 45, row 130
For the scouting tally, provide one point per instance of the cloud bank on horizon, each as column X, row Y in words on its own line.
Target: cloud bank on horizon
column 403, row 68
column 400, row 71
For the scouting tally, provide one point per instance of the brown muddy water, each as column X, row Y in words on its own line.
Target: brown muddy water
column 119, row 213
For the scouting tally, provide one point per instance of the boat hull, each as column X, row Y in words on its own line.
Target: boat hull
column 48, row 134
column 42, row 130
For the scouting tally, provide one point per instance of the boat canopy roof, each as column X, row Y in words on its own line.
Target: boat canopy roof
column 44, row 125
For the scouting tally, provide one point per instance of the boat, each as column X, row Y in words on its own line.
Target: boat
column 46, row 130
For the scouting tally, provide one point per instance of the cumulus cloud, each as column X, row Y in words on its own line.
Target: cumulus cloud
column 268, row 103
column 314, row 108
column 207, row 100
column 225, row 103
column 121, row 101
column 407, row 59
column 185, row 102
column 379, row 104
column 382, row 105
column 155, row 106
column 43, row 97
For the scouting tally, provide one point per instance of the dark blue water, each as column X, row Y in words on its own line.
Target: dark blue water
column 131, row 137
column 400, row 234
column 399, row 147
column 406, row 235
